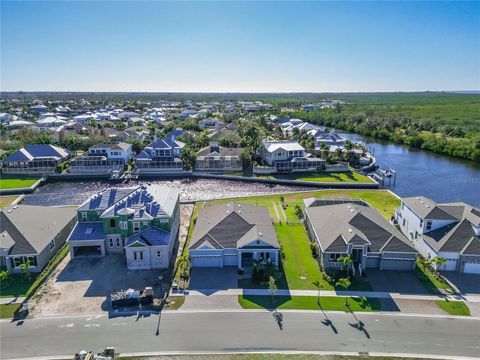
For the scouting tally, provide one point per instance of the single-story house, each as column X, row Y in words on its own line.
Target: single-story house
column 32, row 233
column 342, row 227
column 233, row 234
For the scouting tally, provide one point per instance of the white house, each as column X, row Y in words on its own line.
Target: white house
column 450, row 231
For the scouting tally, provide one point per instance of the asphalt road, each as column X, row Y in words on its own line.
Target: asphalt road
column 241, row 331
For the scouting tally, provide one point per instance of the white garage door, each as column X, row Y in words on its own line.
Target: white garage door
column 206, row 261
column 451, row 265
column 397, row 264
column 230, row 260
column 471, row 268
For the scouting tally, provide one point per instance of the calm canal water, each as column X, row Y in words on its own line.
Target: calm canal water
column 419, row 172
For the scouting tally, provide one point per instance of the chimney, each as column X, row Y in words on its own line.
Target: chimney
column 214, row 146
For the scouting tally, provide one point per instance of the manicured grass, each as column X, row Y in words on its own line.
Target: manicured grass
column 19, row 287
column 15, row 183
column 7, row 311
column 308, row 303
column 332, row 177
column 454, row 307
column 299, row 265
column 174, row 302
column 6, row 200
column 429, row 281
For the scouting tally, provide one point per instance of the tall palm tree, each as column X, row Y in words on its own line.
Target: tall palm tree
column 325, row 150
column 440, row 263
column 318, row 285
column 346, row 262
column 272, row 286
column 345, row 283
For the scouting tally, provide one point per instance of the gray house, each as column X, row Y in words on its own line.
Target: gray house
column 233, row 235
column 33, row 233
column 343, row 227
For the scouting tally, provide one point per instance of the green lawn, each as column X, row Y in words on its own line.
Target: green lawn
column 17, row 182
column 19, row 287
column 7, row 311
column 349, row 176
column 454, row 307
column 308, row 303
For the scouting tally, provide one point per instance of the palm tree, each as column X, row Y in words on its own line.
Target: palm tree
column 324, row 150
column 346, row 262
column 296, row 133
column 25, row 267
column 339, row 153
column 345, row 283
column 272, row 286
column 4, row 278
column 319, row 286
column 440, row 263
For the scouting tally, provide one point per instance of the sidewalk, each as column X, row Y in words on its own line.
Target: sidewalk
column 11, row 300
column 369, row 294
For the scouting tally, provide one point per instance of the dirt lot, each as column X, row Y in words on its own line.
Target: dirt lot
column 83, row 285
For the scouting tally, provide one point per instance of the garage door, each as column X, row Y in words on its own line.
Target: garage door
column 471, row 268
column 451, row 265
column 230, row 260
column 206, row 261
column 388, row 264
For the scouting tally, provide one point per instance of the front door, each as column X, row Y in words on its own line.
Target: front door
column 357, row 255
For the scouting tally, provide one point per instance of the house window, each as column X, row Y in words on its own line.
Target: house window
column 421, row 223
column 136, row 226
column 17, row 261
column 111, row 242
column 163, row 221
column 429, row 225
column 118, row 242
column 123, row 225
column 404, row 221
column 145, row 223
column 84, row 216
column 159, row 254
column 138, row 255
column 416, row 234
column 403, row 206
column 112, row 223
column 334, row 257
column 51, row 246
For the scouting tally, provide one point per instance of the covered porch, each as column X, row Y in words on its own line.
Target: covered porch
column 246, row 257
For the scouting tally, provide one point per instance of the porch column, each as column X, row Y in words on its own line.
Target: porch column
column 276, row 258
column 239, row 259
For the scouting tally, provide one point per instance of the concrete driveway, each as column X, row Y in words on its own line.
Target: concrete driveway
column 395, row 281
column 466, row 283
column 213, row 278
column 84, row 285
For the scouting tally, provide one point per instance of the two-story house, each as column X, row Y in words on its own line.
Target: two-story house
column 450, row 231
column 215, row 158
column 102, row 158
column 141, row 223
column 37, row 159
column 289, row 156
column 162, row 155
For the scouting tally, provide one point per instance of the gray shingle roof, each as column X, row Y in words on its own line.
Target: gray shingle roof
column 33, row 227
column 338, row 223
column 427, row 208
column 233, row 225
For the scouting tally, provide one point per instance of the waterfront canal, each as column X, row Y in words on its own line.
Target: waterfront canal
column 419, row 172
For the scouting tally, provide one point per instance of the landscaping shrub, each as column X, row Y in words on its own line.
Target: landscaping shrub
column 314, row 248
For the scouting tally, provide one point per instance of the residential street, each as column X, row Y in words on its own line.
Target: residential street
column 242, row 331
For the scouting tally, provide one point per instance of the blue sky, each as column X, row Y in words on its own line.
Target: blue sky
column 239, row 46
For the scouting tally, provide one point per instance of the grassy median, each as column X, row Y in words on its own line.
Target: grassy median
column 454, row 307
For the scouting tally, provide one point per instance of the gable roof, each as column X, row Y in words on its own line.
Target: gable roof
column 32, row 236
column 338, row 223
column 233, row 226
column 283, row 145
column 37, row 151
column 427, row 208
column 150, row 237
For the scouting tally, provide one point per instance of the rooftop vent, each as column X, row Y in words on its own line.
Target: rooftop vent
column 350, row 230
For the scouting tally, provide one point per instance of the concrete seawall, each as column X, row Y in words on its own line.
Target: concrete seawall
column 191, row 175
